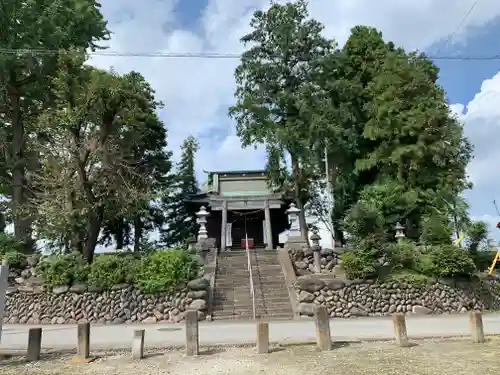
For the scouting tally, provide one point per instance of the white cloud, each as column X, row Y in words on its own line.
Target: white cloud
column 197, row 92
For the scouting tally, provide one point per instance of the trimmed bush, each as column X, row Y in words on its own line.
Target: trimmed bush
column 402, row 254
column 165, row 270
column 15, row 259
column 109, row 269
column 446, row 261
column 9, row 244
column 64, row 269
column 357, row 265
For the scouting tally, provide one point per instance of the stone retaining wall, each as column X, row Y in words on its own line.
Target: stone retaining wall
column 303, row 260
column 122, row 304
column 364, row 298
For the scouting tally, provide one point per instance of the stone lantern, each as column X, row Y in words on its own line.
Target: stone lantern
column 293, row 217
column 316, row 248
column 202, row 215
column 400, row 232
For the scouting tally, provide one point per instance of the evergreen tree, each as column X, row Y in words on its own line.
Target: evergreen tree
column 180, row 218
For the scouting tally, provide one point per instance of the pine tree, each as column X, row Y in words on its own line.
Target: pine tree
column 180, row 217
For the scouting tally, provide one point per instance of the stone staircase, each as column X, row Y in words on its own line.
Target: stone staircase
column 232, row 296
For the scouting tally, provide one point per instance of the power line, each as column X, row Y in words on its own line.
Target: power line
column 466, row 15
column 198, row 55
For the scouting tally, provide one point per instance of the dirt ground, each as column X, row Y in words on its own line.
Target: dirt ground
column 444, row 357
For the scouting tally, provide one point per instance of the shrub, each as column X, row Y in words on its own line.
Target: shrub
column 484, row 259
column 63, row 269
column 8, row 243
column 108, row 270
column 477, row 236
column 436, row 230
column 15, row 259
column 447, row 261
column 357, row 265
column 164, row 270
column 402, row 254
column 409, row 277
column 365, row 225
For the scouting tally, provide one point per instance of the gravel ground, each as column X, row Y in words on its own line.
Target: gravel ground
column 444, row 357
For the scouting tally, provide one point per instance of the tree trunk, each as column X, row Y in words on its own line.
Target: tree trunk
column 94, row 229
column 119, row 235
column 298, row 200
column 22, row 227
column 137, row 233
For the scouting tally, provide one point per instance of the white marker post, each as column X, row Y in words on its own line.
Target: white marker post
column 4, row 274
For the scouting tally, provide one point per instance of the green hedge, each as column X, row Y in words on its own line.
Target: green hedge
column 407, row 258
column 161, row 270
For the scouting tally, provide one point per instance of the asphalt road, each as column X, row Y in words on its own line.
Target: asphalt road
column 15, row 337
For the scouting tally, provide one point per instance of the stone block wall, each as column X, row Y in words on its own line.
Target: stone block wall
column 365, row 298
column 303, row 260
column 31, row 304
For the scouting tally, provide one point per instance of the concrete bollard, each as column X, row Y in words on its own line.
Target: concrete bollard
column 400, row 332
column 192, row 334
column 83, row 344
column 138, row 344
column 34, row 344
column 262, row 337
column 322, row 322
column 476, row 326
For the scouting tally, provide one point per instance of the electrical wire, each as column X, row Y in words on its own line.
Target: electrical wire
column 464, row 18
column 198, row 55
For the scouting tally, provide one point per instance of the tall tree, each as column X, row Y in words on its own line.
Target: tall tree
column 95, row 154
column 32, row 32
column 180, row 218
column 274, row 79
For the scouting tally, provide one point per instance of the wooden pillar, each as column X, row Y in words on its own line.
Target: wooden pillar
column 476, row 326
column 262, row 337
column 322, row 323
column 138, row 344
column 34, row 344
column 223, row 227
column 400, row 333
column 192, row 335
column 269, row 232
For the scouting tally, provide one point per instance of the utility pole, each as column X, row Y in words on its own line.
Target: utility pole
column 330, row 198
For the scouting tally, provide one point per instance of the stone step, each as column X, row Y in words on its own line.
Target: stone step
column 248, row 316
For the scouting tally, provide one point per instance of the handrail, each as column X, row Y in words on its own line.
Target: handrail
column 250, row 273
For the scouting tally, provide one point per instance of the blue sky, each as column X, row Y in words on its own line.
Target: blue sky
column 197, row 92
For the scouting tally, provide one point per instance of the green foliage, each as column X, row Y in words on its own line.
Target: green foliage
column 164, row 270
column 436, row 230
column 484, row 259
column 446, row 261
column 358, row 265
column 407, row 276
column 15, row 259
column 477, row 236
column 181, row 215
column 402, row 255
column 64, row 269
column 9, row 243
column 365, row 225
column 108, row 270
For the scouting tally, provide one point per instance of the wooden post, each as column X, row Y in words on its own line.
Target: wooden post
column 476, row 326
column 322, row 322
column 83, row 344
column 138, row 344
column 34, row 344
column 192, row 335
column 400, row 332
column 262, row 337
